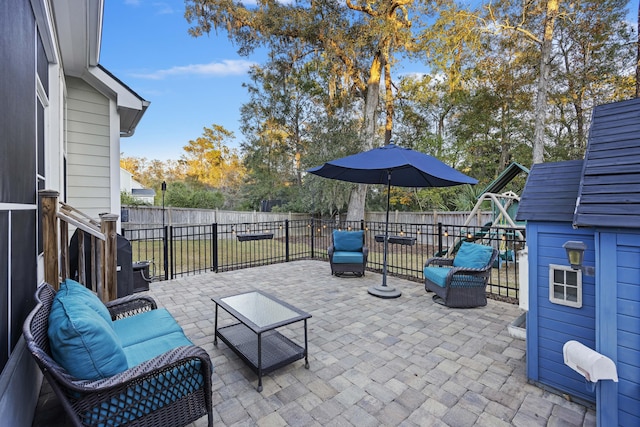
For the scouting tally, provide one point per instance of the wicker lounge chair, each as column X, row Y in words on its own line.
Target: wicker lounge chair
column 172, row 389
column 461, row 281
column 347, row 252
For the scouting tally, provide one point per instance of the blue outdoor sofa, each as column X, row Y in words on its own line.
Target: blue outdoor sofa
column 121, row 363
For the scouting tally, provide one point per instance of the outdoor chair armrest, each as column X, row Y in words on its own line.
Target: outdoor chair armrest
column 146, row 370
column 439, row 261
column 166, row 361
column 130, row 305
column 469, row 271
column 330, row 250
column 467, row 277
column 465, row 271
column 141, row 389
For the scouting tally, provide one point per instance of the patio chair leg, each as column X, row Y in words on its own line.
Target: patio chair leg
column 438, row 299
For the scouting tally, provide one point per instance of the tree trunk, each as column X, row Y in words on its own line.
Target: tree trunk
column 543, row 82
column 359, row 194
column 388, row 127
column 356, row 203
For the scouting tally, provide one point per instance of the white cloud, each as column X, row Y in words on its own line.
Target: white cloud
column 163, row 8
column 414, row 75
column 225, row 68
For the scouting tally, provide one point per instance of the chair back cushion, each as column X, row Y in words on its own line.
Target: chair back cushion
column 82, row 293
column 81, row 340
column 471, row 255
column 348, row 241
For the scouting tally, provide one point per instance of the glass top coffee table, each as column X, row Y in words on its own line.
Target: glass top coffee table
column 254, row 338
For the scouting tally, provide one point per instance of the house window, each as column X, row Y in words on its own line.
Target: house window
column 565, row 286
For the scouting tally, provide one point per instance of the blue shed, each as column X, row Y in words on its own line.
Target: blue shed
column 595, row 201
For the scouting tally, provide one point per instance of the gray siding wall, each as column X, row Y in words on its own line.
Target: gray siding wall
column 19, row 131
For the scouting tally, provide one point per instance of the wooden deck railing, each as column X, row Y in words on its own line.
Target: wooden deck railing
column 56, row 219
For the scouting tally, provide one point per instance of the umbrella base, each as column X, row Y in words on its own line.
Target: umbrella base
column 383, row 291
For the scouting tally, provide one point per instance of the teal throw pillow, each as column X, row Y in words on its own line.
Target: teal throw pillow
column 81, row 340
column 82, row 293
column 348, row 241
column 471, row 255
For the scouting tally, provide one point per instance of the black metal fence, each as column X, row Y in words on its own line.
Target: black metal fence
column 176, row 251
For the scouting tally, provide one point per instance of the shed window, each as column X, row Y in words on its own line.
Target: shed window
column 565, row 286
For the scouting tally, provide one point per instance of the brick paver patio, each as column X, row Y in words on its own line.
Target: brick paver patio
column 404, row 361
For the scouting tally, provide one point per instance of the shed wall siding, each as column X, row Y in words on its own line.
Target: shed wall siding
column 550, row 325
column 627, row 304
column 88, row 148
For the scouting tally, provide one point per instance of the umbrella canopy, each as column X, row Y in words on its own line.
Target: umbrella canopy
column 408, row 168
column 392, row 165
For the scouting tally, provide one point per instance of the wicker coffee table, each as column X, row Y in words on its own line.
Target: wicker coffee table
column 254, row 338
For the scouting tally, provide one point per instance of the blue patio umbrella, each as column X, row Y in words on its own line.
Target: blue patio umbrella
column 397, row 166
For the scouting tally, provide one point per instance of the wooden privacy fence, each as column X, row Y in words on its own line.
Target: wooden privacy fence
column 434, row 217
column 155, row 215
column 56, row 219
column 143, row 217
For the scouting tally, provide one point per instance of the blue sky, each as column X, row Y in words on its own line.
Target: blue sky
column 191, row 83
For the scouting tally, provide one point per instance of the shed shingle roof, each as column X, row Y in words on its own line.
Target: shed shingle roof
column 609, row 194
column 551, row 191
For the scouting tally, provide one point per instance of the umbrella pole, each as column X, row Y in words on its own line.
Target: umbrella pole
column 386, row 233
column 384, row 291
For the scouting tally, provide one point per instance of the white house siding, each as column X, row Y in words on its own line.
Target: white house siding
column 126, row 181
column 88, row 149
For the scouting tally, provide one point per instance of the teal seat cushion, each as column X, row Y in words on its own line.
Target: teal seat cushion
column 348, row 241
column 146, row 350
column 81, row 340
column 471, row 255
column 437, row 275
column 82, row 293
column 135, row 329
column 341, row 257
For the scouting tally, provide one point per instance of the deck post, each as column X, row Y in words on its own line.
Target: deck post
column 49, row 200
column 108, row 228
